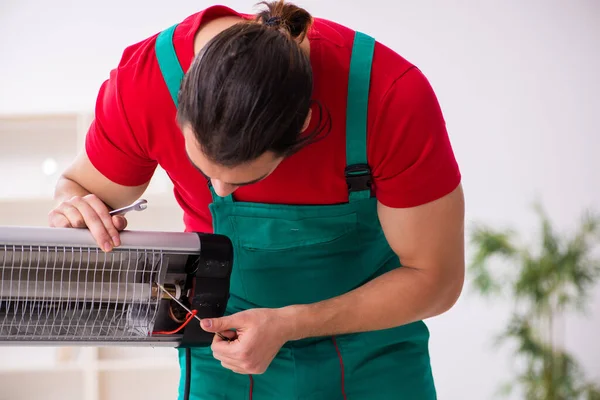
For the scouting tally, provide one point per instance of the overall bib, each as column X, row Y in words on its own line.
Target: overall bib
column 288, row 254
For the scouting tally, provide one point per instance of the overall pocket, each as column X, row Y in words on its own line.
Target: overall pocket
column 269, row 234
column 283, row 261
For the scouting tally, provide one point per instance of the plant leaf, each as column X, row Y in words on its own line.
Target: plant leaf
column 489, row 244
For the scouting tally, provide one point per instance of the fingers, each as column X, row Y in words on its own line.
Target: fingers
column 95, row 222
column 99, row 209
column 231, row 363
column 240, row 366
column 234, row 368
column 89, row 212
column 219, row 342
column 66, row 216
column 225, row 360
column 233, row 321
column 120, row 222
column 56, row 220
column 224, row 348
column 231, row 335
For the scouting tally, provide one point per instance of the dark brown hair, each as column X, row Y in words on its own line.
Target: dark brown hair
column 249, row 90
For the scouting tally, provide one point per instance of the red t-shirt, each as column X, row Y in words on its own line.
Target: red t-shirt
column 408, row 147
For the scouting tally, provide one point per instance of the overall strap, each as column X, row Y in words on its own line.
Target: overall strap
column 173, row 74
column 168, row 62
column 358, row 172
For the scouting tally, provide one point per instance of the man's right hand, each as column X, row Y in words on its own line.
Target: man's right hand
column 89, row 212
column 78, row 208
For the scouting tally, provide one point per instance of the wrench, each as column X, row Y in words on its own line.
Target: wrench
column 139, row 205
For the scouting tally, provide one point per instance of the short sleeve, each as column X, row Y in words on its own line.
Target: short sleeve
column 113, row 147
column 409, row 150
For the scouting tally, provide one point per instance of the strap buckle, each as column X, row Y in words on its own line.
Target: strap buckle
column 358, row 177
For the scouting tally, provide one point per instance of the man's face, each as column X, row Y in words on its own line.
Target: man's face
column 226, row 180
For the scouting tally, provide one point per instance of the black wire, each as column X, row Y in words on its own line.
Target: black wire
column 188, row 373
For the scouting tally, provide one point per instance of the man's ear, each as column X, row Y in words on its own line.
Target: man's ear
column 307, row 121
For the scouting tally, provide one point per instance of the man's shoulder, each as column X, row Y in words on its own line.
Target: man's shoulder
column 385, row 58
column 138, row 66
column 138, row 77
column 336, row 45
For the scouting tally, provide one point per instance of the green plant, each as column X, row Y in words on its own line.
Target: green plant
column 542, row 285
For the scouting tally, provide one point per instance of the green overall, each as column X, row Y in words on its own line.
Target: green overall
column 288, row 254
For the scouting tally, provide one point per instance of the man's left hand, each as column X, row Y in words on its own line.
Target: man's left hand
column 259, row 335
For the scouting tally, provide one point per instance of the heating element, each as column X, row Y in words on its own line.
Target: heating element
column 57, row 287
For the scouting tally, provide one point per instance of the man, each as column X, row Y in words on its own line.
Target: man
column 324, row 156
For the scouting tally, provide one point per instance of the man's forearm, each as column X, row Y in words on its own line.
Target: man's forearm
column 396, row 298
column 66, row 189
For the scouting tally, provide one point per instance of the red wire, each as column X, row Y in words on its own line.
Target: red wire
column 188, row 319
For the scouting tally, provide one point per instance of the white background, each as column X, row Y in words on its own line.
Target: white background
column 519, row 84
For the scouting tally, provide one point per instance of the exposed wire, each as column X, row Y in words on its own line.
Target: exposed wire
column 189, row 317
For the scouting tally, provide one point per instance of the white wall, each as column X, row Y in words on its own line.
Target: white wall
column 519, row 83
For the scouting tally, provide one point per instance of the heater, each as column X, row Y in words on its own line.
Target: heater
column 57, row 287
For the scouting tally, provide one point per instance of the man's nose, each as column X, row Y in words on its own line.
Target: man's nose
column 222, row 189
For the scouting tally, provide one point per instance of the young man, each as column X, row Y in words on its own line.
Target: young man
column 324, row 156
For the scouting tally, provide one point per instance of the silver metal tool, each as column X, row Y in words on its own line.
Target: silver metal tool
column 187, row 309
column 139, row 205
column 58, row 288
